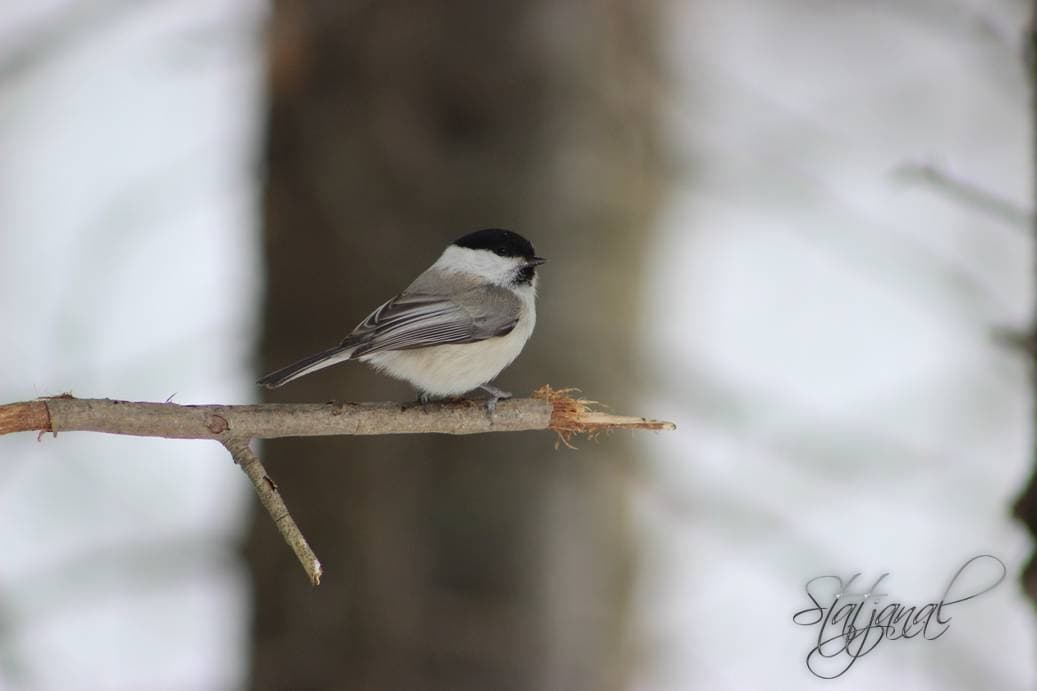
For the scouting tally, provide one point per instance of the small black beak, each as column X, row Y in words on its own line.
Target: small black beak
column 535, row 261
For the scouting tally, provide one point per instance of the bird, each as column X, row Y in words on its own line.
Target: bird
column 453, row 329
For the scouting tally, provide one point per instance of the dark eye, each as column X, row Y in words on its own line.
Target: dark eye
column 500, row 251
column 524, row 275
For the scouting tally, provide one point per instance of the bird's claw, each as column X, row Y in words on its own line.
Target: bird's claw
column 495, row 395
column 424, row 400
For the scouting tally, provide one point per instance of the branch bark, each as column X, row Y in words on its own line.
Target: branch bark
column 561, row 413
column 235, row 426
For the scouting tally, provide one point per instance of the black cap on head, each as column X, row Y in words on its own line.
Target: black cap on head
column 505, row 243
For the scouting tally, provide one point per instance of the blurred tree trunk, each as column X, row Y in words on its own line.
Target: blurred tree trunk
column 482, row 563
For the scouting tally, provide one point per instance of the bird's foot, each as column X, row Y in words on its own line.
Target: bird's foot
column 424, row 400
column 495, row 395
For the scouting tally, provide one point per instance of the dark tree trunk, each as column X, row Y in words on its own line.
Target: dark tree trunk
column 471, row 562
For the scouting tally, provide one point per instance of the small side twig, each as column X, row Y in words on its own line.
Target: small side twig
column 270, row 497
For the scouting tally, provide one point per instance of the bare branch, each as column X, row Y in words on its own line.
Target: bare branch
column 270, row 497
column 235, row 426
column 270, row 420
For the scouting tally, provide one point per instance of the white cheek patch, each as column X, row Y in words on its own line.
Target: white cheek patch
column 487, row 265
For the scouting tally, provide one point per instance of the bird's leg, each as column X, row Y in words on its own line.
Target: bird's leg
column 499, row 394
column 495, row 395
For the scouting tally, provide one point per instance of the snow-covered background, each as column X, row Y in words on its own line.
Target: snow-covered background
column 823, row 334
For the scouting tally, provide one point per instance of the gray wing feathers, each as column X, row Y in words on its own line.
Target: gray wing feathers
column 418, row 319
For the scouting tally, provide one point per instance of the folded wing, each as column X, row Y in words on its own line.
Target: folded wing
column 419, row 320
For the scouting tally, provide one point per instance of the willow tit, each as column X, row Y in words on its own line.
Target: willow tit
column 461, row 322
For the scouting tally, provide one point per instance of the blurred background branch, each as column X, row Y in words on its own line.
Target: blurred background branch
column 968, row 194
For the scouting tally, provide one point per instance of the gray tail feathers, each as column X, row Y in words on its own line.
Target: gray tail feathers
column 325, row 358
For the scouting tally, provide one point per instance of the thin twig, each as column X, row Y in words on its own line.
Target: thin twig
column 270, row 497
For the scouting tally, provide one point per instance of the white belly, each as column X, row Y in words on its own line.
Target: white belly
column 451, row 370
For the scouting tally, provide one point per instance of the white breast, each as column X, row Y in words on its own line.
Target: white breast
column 455, row 369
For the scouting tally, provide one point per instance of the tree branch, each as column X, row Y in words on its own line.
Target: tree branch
column 235, row 426
column 552, row 410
